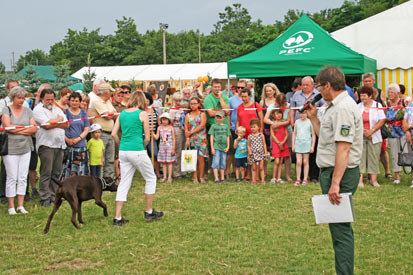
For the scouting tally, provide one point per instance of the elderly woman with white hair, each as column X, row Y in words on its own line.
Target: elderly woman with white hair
column 20, row 146
column 395, row 116
column 177, row 115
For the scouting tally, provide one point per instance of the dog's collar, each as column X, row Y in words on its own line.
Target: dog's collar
column 104, row 183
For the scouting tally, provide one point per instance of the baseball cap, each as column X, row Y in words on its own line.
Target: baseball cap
column 220, row 113
column 105, row 87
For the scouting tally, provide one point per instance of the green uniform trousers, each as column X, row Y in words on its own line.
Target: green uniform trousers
column 342, row 233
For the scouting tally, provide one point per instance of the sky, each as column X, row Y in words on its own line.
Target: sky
column 26, row 24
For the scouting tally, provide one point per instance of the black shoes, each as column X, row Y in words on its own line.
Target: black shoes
column 154, row 216
column 120, row 222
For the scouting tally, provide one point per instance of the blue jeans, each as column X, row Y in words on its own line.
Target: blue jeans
column 219, row 160
column 95, row 170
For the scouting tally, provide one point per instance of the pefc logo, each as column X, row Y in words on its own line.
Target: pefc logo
column 296, row 42
column 298, row 39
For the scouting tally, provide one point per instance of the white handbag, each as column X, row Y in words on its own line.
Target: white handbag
column 188, row 160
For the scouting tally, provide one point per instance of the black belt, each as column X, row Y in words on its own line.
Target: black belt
column 107, row 132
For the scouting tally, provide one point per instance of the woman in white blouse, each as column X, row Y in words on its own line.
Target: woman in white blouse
column 373, row 119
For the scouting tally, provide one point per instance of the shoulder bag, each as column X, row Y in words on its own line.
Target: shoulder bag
column 4, row 140
column 385, row 132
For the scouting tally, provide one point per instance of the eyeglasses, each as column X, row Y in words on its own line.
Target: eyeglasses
column 319, row 86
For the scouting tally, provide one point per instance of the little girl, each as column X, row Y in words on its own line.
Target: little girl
column 240, row 145
column 166, row 153
column 257, row 151
column 280, row 150
column 303, row 144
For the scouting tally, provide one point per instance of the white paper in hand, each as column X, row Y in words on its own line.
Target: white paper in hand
column 325, row 212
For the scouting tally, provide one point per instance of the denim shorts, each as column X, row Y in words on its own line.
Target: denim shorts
column 242, row 162
column 219, row 160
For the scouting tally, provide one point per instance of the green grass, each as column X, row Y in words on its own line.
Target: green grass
column 234, row 228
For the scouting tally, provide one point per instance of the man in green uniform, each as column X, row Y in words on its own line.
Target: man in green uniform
column 340, row 131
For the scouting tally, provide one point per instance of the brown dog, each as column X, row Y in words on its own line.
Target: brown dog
column 78, row 189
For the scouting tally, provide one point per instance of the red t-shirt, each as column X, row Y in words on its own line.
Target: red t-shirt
column 245, row 116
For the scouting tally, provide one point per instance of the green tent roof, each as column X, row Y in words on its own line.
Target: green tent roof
column 45, row 72
column 303, row 49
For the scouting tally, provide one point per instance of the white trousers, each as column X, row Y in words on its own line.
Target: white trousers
column 17, row 167
column 129, row 162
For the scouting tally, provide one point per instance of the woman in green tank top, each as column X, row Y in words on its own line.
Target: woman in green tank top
column 132, row 124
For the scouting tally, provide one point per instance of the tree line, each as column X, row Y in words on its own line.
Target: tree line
column 235, row 34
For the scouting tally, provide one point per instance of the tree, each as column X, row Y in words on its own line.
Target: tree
column 88, row 77
column 2, row 68
column 33, row 57
column 62, row 72
column 118, row 47
column 31, row 79
column 76, row 46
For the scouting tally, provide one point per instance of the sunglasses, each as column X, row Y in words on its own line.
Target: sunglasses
column 240, row 87
column 124, row 93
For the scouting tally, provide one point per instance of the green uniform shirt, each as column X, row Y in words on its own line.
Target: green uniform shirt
column 132, row 131
column 220, row 133
column 212, row 102
column 341, row 121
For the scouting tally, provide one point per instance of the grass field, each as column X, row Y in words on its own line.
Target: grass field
column 234, row 228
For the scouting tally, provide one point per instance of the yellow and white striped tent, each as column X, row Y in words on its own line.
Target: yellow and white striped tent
column 399, row 76
column 386, row 37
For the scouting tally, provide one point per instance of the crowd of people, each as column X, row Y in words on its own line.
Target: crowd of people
column 234, row 135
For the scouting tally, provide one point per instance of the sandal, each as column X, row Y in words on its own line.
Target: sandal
column 389, row 176
column 202, row 180
column 297, row 182
column 253, row 182
column 304, row 182
column 195, row 181
column 162, row 180
column 263, row 182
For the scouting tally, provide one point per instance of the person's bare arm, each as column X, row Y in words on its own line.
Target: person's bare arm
column 212, row 144
column 143, row 116
column 173, row 141
column 341, row 161
column 228, row 140
column 267, row 119
column 261, row 118
column 313, row 139
column 115, row 131
column 265, row 145
column 312, row 115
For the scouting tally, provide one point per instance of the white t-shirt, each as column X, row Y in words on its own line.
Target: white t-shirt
column 53, row 138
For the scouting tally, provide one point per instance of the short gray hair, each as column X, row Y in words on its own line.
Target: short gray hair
column 17, row 91
column 394, row 87
column 177, row 96
column 308, row 78
column 368, row 75
column 8, row 81
column 97, row 82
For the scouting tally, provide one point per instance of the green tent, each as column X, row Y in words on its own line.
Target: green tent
column 303, row 49
column 44, row 72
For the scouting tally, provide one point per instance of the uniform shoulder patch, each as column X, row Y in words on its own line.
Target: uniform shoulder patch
column 345, row 130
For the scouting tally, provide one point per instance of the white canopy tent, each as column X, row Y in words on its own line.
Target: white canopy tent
column 386, row 37
column 157, row 72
